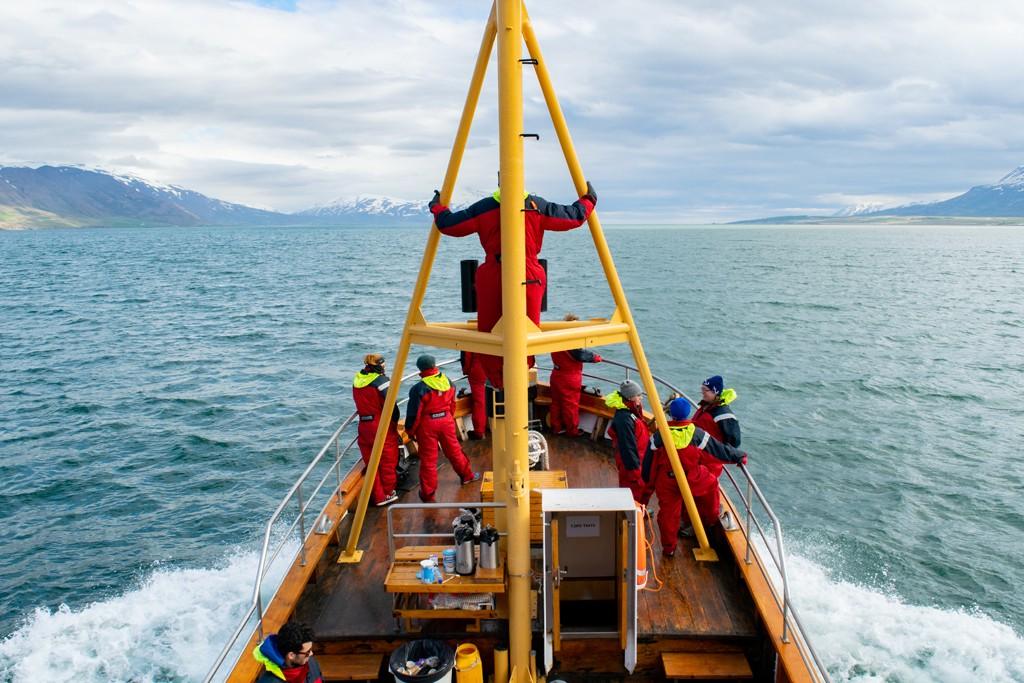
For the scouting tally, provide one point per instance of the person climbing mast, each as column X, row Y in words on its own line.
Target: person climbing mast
column 483, row 218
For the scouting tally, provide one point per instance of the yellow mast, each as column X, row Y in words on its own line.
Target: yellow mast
column 415, row 316
column 515, row 336
column 514, row 329
column 622, row 311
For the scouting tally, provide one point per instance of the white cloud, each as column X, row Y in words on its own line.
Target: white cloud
column 678, row 110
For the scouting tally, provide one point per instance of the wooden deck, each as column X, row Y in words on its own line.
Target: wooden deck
column 348, row 602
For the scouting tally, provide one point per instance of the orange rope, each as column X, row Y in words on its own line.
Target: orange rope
column 648, row 542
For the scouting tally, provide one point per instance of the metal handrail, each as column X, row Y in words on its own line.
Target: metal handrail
column 788, row 611
column 256, row 606
column 295, row 493
column 456, row 505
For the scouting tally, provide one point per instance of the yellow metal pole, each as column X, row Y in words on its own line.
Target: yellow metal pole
column 514, row 329
column 414, row 316
column 704, row 552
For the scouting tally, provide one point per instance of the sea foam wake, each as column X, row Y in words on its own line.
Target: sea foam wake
column 173, row 625
column 867, row 636
column 170, row 627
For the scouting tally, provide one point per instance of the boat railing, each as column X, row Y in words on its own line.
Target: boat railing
column 457, row 505
column 775, row 548
column 773, row 543
column 301, row 497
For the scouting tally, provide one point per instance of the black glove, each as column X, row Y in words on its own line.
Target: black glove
column 435, row 201
column 591, row 195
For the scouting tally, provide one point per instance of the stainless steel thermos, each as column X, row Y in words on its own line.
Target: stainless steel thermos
column 489, row 548
column 465, row 555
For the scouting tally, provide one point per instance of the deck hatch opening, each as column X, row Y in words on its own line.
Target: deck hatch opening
column 589, row 556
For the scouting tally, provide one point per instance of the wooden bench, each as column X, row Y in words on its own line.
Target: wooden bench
column 408, row 589
column 350, row 667
column 706, row 666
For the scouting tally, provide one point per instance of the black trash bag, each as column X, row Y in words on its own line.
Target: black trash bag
column 421, row 653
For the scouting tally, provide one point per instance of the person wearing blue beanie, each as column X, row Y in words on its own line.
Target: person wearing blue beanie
column 679, row 409
column 699, row 455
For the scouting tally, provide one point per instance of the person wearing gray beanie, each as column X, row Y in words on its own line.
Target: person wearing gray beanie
column 630, row 436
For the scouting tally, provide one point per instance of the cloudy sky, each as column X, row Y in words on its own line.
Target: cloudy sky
column 682, row 110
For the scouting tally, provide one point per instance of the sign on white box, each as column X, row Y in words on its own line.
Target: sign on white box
column 583, row 526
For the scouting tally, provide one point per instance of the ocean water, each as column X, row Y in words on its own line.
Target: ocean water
column 161, row 388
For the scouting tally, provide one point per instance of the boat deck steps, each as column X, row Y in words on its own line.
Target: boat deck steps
column 350, row 667
column 706, row 666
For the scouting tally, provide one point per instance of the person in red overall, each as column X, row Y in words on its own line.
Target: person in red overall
column 566, row 382
column 630, row 436
column 483, row 218
column 473, row 369
column 658, row 471
column 716, row 418
column 430, row 417
column 715, row 415
column 369, row 387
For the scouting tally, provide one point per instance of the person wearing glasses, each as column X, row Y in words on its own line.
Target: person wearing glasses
column 288, row 656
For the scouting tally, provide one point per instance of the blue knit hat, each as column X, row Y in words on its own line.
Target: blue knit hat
column 715, row 383
column 426, row 362
column 679, row 409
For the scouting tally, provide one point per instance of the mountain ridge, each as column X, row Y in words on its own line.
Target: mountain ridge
column 1000, row 203
column 75, row 196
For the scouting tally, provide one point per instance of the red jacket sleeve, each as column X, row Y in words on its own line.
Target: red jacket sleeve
column 468, row 221
column 560, row 217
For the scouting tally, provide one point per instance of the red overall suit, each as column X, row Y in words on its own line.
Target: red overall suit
column 566, row 382
column 474, row 370
column 630, row 439
column 703, row 484
column 720, row 422
column 430, row 418
column 369, row 388
column 483, row 218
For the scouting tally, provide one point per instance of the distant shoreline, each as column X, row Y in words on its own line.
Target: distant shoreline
column 885, row 220
column 780, row 221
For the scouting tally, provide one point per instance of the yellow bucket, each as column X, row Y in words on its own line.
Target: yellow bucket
column 468, row 668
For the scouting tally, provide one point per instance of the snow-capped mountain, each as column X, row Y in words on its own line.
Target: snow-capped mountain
column 858, row 209
column 72, row 195
column 371, row 210
column 1002, row 199
column 383, row 211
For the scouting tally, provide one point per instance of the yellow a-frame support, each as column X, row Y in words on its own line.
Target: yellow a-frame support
column 516, row 336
